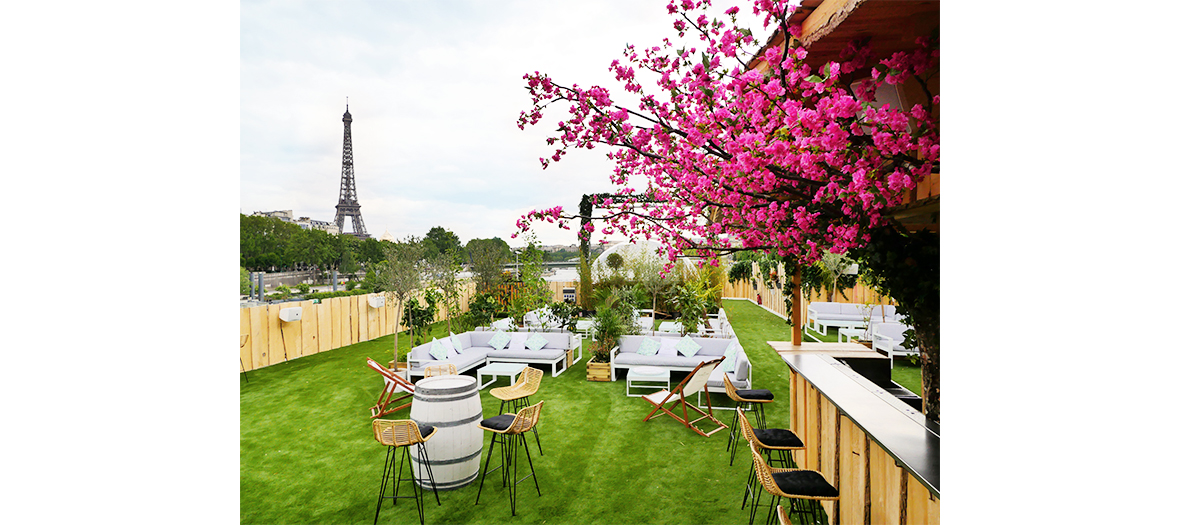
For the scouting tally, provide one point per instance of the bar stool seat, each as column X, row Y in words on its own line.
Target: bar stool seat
column 754, row 400
column 517, row 395
column 403, row 433
column 778, row 440
column 752, row 396
column 803, row 488
column 510, row 429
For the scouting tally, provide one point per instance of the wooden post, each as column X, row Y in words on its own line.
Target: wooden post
column 796, row 312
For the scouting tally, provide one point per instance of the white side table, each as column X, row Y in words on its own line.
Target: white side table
column 648, row 374
column 499, row 370
column 845, row 335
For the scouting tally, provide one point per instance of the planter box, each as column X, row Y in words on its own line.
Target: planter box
column 400, row 365
column 596, row 371
column 569, row 357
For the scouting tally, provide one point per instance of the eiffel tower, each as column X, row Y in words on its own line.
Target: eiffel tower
column 348, row 205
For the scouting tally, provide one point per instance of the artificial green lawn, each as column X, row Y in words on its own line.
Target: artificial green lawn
column 307, row 453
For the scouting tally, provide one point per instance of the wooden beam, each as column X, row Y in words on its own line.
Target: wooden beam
column 826, row 17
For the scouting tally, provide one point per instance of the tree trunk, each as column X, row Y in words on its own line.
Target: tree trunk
column 395, row 332
column 929, row 355
column 797, row 307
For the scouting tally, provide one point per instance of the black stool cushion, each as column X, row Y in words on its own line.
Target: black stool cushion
column 500, row 422
column 426, row 430
column 804, row 483
column 777, row 437
column 762, row 395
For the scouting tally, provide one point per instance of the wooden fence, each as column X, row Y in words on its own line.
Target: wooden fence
column 773, row 296
column 331, row 324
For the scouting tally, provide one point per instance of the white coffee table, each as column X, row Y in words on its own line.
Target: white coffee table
column 845, row 335
column 499, row 370
column 648, row 374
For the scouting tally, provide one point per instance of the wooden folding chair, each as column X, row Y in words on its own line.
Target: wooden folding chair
column 695, row 382
column 393, row 384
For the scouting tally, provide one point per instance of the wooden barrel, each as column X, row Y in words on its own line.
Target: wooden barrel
column 451, row 405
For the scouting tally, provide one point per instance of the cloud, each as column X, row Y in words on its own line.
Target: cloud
column 434, row 89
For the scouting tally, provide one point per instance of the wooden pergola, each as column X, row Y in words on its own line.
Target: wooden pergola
column 892, row 26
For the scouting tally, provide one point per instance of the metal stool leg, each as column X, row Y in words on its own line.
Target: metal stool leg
column 384, row 481
column 487, row 463
column 734, row 439
column 732, row 426
column 425, row 457
column 760, row 413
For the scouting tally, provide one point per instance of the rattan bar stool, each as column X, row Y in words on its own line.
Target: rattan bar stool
column 769, row 440
column 403, row 433
column 510, row 428
column 754, row 400
column 440, row 370
column 517, row 395
column 804, row 489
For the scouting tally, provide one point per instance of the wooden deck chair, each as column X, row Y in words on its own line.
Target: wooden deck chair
column 394, row 384
column 665, row 401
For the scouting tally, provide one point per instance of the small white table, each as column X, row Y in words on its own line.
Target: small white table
column 828, row 323
column 499, row 370
column 648, row 374
column 845, row 335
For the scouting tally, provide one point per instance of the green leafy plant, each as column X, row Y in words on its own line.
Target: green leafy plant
column 284, row 292
column 418, row 316
column 244, row 281
column 402, row 275
column 481, row 310
column 303, row 288
column 564, row 313
column 610, row 323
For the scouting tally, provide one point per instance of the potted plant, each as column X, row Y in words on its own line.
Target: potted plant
column 609, row 325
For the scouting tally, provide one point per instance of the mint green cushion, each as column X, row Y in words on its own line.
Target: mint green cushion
column 499, row 340
column 456, row 343
column 688, row 347
column 730, row 361
column 437, row 350
column 536, row 342
column 649, row 346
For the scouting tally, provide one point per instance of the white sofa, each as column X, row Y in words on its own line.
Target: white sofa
column 542, row 319
column 626, row 355
column 888, row 338
column 845, row 314
column 477, row 352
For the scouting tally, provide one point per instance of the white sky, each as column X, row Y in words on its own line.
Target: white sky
column 434, row 89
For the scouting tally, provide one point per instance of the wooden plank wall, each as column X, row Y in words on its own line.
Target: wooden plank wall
column 775, row 299
column 873, row 488
column 331, row 324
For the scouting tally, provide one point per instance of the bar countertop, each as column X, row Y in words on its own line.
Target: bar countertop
column 904, row 433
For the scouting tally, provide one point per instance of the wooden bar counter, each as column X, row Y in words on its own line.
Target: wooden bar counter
column 880, row 453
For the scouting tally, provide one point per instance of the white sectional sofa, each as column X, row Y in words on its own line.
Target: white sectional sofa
column 477, row 351
column 626, row 355
column 821, row 315
column 888, row 338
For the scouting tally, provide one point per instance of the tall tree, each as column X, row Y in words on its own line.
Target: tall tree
column 442, row 271
column 487, row 261
column 760, row 154
column 440, row 240
column 402, row 276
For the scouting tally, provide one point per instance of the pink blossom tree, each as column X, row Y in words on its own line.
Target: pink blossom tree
column 734, row 146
